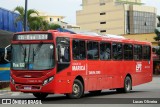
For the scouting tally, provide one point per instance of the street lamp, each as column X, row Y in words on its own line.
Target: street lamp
column 25, row 16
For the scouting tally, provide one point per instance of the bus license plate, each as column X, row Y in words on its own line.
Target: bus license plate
column 27, row 87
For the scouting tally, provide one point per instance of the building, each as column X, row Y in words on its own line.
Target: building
column 8, row 21
column 50, row 17
column 143, row 37
column 57, row 19
column 116, row 17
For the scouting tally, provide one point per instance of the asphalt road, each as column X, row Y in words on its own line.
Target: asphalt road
column 149, row 91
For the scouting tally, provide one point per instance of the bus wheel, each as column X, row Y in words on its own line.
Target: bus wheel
column 95, row 92
column 40, row 95
column 127, row 86
column 77, row 90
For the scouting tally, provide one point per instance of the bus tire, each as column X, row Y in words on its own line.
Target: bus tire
column 40, row 95
column 97, row 92
column 127, row 86
column 77, row 90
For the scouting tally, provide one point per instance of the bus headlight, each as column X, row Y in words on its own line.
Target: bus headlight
column 48, row 80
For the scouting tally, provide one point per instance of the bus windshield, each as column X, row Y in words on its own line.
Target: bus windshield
column 32, row 56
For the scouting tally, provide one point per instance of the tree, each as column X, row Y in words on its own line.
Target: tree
column 35, row 22
column 30, row 18
column 54, row 26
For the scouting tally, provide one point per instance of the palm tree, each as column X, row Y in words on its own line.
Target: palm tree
column 35, row 22
column 30, row 18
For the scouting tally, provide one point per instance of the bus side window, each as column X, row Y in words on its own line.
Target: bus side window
column 92, row 50
column 79, row 49
column 63, row 49
column 128, row 52
column 146, row 52
column 105, row 51
column 137, row 52
column 117, row 51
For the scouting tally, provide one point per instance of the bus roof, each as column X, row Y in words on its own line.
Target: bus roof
column 88, row 36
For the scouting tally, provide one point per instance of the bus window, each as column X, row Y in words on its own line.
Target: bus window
column 137, row 52
column 105, row 51
column 79, row 49
column 146, row 52
column 117, row 51
column 63, row 53
column 128, row 52
column 63, row 49
column 92, row 50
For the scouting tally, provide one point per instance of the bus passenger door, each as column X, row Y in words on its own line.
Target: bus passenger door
column 63, row 62
column 63, row 53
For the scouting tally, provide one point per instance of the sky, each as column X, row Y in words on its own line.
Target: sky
column 65, row 8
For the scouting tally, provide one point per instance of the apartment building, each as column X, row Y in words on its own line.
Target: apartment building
column 116, row 17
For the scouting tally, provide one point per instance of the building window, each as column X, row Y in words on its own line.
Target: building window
column 51, row 19
column 103, row 13
column 102, row 2
column 143, row 22
column 102, row 22
column 92, row 50
column 102, row 31
column 79, row 49
column 58, row 19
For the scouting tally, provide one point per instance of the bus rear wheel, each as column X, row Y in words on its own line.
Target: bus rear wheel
column 127, row 86
column 40, row 95
column 77, row 90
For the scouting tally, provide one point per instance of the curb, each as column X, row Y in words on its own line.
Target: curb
column 4, row 91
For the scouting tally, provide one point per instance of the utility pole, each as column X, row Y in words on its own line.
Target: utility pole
column 25, row 16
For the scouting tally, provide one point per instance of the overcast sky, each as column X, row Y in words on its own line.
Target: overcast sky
column 65, row 8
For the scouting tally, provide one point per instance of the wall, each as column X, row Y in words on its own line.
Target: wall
column 89, row 18
column 8, row 21
column 143, row 37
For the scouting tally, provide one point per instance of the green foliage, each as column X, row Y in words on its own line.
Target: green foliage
column 158, row 51
column 34, row 22
column 54, row 26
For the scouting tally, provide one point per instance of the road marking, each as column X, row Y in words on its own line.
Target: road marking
column 16, row 94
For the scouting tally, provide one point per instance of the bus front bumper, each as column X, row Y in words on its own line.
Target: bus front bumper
column 48, row 88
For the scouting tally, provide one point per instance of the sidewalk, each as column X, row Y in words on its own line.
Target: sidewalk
column 4, row 86
column 156, row 75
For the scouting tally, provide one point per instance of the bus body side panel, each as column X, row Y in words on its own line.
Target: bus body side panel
column 65, row 78
column 145, row 74
column 94, row 71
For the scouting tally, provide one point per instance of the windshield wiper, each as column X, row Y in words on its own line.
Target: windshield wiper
column 23, row 51
column 37, row 49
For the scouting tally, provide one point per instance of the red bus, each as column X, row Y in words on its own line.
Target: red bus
column 52, row 62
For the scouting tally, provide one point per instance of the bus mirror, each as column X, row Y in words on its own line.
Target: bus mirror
column 7, row 55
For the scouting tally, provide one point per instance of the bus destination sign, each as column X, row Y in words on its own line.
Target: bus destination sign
column 32, row 37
